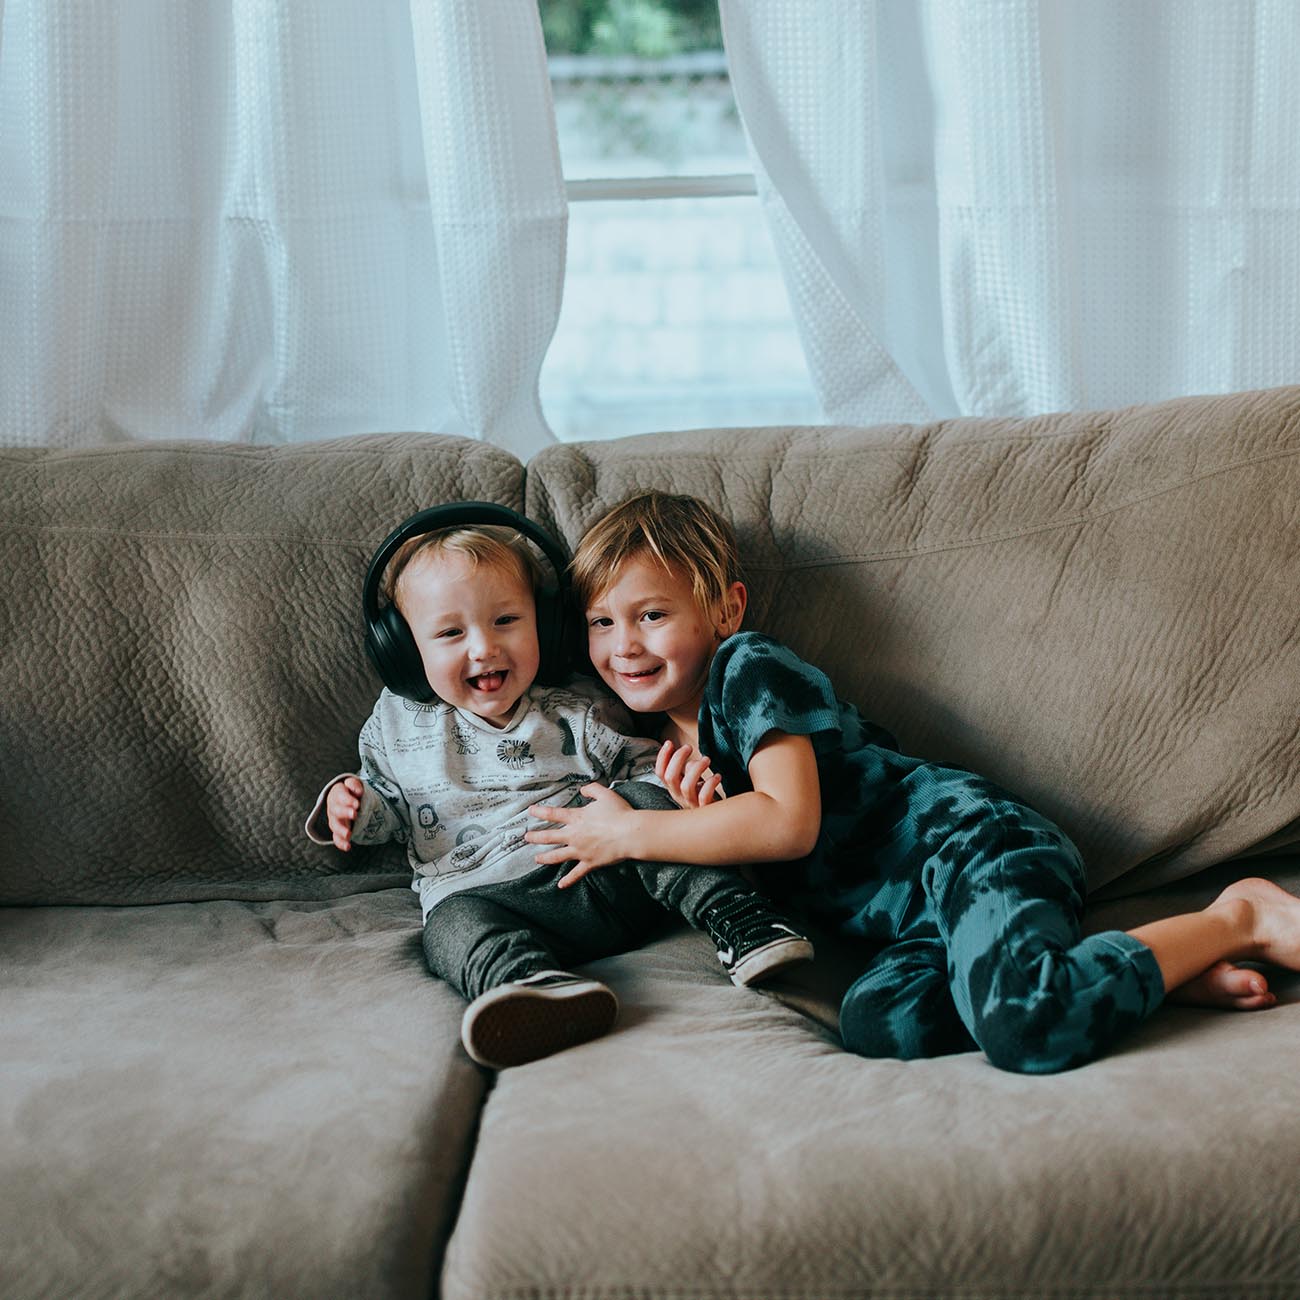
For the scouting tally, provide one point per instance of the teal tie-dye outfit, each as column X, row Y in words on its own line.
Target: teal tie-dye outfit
column 970, row 901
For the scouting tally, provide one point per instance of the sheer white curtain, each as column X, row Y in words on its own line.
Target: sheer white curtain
column 1010, row 207
column 270, row 220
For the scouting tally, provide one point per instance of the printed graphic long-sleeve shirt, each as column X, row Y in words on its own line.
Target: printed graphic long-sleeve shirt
column 455, row 789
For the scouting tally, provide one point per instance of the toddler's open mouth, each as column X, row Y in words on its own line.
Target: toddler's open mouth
column 488, row 682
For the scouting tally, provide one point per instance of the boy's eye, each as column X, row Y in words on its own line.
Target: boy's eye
column 506, row 619
column 653, row 615
column 600, row 621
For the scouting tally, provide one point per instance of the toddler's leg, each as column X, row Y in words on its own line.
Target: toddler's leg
column 1007, row 888
column 475, row 942
column 901, row 1007
column 522, row 1006
column 754, row 939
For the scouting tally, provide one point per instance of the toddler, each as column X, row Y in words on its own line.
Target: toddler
column 969, row 900
column 451, row 773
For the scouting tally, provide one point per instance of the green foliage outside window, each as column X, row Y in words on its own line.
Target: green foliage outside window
column 649, row 29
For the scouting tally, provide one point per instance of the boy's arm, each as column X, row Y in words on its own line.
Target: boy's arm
column 777, row 821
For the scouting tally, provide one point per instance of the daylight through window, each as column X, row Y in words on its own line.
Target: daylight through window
column 675, row 315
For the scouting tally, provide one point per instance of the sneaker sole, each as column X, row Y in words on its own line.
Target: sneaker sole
column 525, row 1025
column 770, row 959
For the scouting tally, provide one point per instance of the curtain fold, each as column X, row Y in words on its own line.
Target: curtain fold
column 273, row 222
column 1020, row 206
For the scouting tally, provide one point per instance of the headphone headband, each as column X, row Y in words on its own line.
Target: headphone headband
column 460, row 514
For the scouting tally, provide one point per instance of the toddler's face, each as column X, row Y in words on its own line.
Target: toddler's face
column 476, row 629
column 650, row 641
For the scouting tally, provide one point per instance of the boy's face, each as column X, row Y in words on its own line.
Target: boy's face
column 476, row 629
column 651, row 642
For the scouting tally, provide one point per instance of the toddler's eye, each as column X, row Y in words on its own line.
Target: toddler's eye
column 600, row 621
column 448, row 632
column 653, row 615
column 506, row 619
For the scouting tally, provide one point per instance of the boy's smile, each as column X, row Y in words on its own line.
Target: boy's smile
column 651, row 642
column 475, row 626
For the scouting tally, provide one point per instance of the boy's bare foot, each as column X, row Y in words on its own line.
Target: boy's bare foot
column 1229, row 987
column 1198, row 953
column 1272, row 921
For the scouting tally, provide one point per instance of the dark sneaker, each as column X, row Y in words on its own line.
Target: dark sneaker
column 754, row 940
column 530, row 1018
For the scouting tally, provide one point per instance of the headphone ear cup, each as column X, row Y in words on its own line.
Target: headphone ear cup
column 571, row 637
column 393, row 652
column 553, row 664
column 560, row 637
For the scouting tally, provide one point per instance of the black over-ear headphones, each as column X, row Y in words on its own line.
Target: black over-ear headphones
column 389, row 642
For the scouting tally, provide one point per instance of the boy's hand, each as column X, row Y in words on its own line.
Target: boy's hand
column 592, row 834
column 687, row 779
column 341, row 807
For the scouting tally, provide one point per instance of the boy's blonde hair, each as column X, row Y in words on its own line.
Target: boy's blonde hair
column 495, row 545
column 687, row 536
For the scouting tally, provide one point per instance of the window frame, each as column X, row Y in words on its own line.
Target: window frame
column 727, row 186
column 623, row 67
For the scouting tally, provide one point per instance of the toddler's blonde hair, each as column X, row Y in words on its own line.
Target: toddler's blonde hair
column 495, row 545
column 686, row 535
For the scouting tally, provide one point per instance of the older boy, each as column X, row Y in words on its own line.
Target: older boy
column 969, row 901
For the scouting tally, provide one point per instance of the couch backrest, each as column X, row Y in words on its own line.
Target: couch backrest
column 181, row 661
column 1098, row 610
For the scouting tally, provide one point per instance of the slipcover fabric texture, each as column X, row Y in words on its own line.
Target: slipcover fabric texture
column 1082, row 607
column 241, row 1080
column 189, row 620
column 718, row 1145
column 228, row 1099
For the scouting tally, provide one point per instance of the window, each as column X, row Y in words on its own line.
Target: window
column 674, row 315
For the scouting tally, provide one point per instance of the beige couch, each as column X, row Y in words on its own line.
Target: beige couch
column 224, row 1070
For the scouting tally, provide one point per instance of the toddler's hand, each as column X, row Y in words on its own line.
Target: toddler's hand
column 341, row 807
column 689, row 780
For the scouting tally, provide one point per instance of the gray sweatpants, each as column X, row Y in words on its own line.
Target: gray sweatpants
column 480, row 938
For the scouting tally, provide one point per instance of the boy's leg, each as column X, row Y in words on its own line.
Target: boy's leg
column 754, row 939
column 1007, row 888
column 901, row 1006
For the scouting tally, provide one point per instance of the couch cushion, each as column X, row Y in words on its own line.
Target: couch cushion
column 181, row 650
column 1097, row 610
column 717, row 1144
column 224, row 1099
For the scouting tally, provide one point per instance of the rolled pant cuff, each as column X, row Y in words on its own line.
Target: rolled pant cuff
column 1150, row 982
